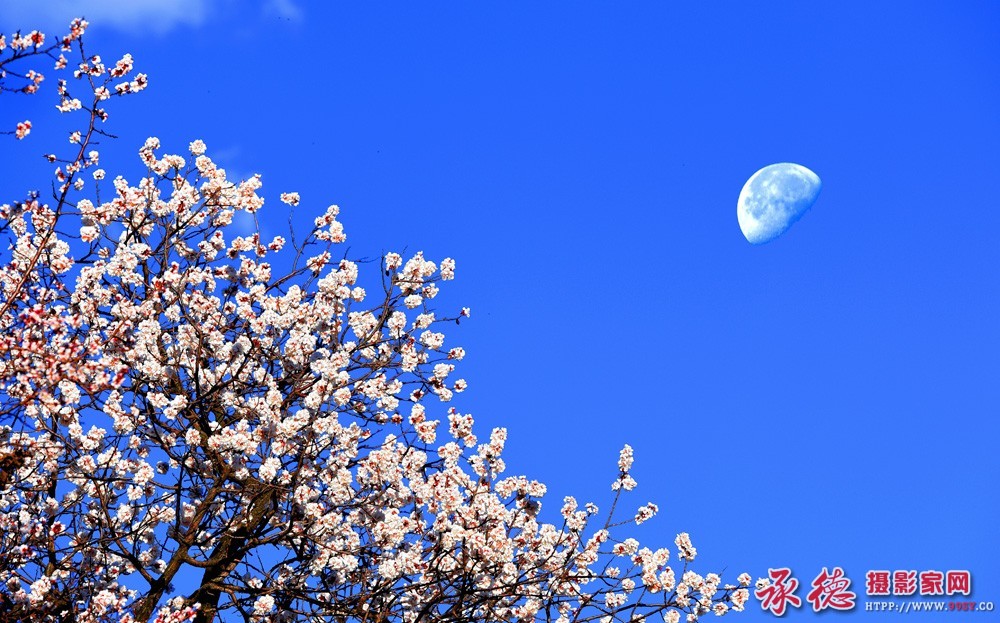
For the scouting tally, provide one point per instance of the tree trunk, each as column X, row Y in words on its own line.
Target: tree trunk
column 227, row 555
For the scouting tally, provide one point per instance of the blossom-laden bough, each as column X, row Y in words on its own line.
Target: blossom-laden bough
column 189, row 433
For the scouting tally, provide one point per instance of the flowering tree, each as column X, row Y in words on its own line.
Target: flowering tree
column 187, row 433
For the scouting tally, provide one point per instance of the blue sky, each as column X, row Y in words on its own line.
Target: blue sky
column 829, row 398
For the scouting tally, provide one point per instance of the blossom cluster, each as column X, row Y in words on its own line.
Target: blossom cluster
column 23, row 70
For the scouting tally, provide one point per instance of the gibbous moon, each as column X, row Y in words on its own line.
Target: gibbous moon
column 774, row 198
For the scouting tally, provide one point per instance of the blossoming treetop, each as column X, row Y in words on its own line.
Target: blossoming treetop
column 189, row 434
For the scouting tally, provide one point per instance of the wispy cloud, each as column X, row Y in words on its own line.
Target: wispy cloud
column 287, row 9
column 137, row 17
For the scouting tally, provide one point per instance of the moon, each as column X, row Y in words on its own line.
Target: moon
column 774, row 198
